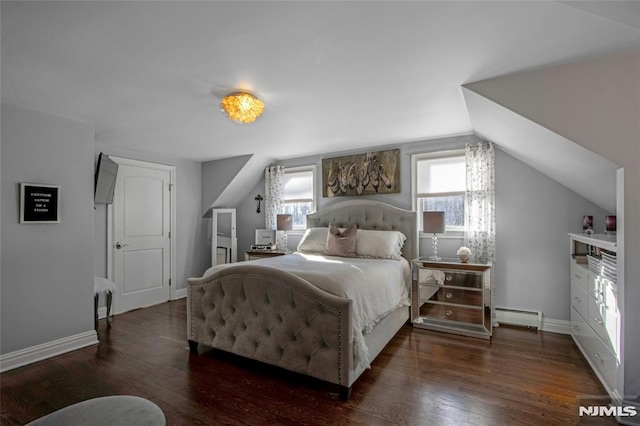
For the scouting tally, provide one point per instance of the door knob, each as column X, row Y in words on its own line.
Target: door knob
column 119, row 245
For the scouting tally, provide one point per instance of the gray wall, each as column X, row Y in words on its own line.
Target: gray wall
column 533, row 215
column 247, row 220
column 47, row 274
column 191, row 236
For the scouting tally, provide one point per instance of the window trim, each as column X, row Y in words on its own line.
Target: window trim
column 314, row 202
column 451, row 231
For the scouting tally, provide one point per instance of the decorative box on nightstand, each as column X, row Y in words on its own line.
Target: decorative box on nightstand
column 452, row 297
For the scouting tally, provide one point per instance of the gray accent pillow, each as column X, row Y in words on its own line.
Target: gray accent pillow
column 341, row 244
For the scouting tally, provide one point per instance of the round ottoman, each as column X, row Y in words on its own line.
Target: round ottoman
column 106, row 411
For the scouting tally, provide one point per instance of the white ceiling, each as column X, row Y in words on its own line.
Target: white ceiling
column 334, row 75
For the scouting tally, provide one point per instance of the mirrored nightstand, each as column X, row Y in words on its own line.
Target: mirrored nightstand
column 452, row 297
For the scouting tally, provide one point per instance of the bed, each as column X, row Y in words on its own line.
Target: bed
column 278, row 312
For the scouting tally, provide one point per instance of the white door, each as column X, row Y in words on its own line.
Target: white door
column 141, row 225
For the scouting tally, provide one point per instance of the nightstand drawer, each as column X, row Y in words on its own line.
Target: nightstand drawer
column 452, row 313
column 452, row 278
column 463, row 279
column 452, row 295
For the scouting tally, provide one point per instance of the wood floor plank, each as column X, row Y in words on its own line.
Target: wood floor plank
column 520, row 377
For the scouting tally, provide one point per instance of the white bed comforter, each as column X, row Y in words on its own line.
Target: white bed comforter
column 376, row 286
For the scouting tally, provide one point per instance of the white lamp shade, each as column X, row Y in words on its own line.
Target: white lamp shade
column 433, row 222
column 284, row 222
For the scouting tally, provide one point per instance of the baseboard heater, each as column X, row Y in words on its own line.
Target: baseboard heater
column 519, row 317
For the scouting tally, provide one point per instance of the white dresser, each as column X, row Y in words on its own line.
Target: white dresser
column 595, row 316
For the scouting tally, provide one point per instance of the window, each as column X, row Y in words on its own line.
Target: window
column 299, row 194
column 440, row 185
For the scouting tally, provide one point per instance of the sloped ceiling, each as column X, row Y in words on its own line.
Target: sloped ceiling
column 577, row 123
column 242, row 175
column 334, row 75
column 582, row 171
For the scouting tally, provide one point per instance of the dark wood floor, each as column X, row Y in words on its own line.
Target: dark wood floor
column 421, row 378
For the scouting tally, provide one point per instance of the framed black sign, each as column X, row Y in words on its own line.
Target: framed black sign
column 39, row 203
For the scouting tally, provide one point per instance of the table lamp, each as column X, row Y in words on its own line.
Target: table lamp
column 284, row 222
column 433, row 223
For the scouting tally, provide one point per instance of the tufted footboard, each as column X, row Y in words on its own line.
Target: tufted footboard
column 275, row 317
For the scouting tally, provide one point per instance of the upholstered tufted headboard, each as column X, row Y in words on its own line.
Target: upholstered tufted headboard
column 368, row 214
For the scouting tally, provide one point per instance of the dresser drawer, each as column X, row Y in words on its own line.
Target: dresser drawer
column 452, row 313
column 603, row 290
column 604, row 322
column 579, row 276
column 455, row 295
column 579, row 299
column 596, row 352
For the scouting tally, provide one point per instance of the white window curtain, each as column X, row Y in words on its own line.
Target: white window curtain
column 274, row 201
column 480, row 216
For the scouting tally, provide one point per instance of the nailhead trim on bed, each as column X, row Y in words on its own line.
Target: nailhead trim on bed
column 214, row 312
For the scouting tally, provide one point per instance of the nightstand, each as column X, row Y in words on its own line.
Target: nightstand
column 452, row 297
column 261, row 254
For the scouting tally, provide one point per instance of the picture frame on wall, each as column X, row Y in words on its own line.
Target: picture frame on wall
column 39, row 203
column 375, row 172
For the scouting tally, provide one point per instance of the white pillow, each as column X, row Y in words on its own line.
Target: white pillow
column 314, row 240
column 379, row 244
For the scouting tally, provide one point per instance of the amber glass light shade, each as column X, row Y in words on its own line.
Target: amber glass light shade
column 243, row 108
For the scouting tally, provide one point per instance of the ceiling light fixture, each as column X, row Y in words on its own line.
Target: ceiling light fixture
column 242, row 107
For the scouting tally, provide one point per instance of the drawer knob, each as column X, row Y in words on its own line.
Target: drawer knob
column 599, row 357
column 449, row 295
column 449, row 278
column 449, row 312
column 598, row 320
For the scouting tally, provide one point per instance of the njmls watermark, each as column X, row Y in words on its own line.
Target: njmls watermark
column 602, row 406
column 607, row 411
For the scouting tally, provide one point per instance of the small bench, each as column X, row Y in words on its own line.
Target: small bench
column 108, row 410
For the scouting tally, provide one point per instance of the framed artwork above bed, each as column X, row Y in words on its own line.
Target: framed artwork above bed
column 376, row 172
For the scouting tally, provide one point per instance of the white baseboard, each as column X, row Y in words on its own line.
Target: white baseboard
column 47, row 350
column 180, row 293
column 556, row 326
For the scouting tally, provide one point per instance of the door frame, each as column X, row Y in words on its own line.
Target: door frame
column 172, row 222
